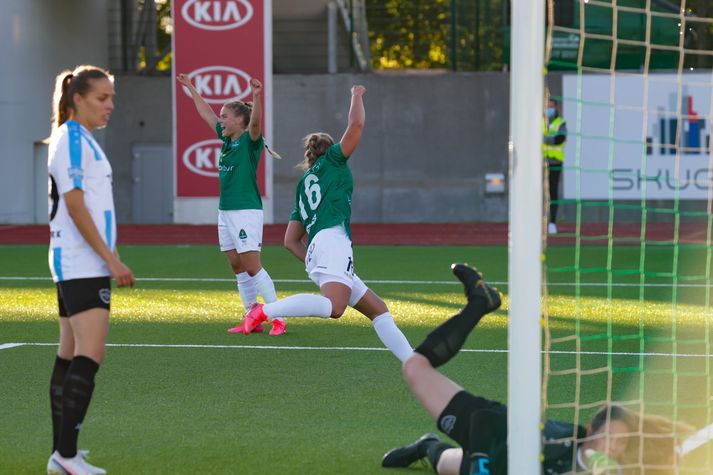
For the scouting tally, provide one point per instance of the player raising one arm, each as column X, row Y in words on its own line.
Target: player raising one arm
column 322, row 212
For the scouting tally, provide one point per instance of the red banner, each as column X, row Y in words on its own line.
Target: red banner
column 220, row 45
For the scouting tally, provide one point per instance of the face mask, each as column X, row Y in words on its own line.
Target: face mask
column 551, row 112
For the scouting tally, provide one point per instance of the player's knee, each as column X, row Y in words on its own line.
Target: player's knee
column 414, row 367
column 253, row 270
column 338, row 310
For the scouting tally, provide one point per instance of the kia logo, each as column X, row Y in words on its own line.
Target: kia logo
column 203, row 157
column 220, row 84
column 217, row 14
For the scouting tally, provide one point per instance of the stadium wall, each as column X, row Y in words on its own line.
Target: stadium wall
column 29, row 66
column 428, row 142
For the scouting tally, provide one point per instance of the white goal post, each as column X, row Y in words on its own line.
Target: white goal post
column 524, row 242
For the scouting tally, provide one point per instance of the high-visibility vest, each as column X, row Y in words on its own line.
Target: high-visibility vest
column 550, row 130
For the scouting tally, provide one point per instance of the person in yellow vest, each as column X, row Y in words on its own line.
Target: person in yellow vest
column 554, row 136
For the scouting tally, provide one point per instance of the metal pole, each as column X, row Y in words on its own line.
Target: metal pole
column 454, row 34
column 525, row 246
column 331, row 38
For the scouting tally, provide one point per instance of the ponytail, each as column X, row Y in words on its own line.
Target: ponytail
column 68, row 83
column 316, row 145
column 60, row 112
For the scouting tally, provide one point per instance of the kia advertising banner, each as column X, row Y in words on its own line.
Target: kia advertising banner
column 656, row 138
column 220, row 45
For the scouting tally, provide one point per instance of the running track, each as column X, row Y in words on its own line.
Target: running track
column 447, row 234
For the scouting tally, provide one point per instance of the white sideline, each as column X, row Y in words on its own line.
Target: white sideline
column 354, row 348
column 402, row 282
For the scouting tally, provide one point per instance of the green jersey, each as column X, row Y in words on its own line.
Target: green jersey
column 324, row 194
column 238, row 171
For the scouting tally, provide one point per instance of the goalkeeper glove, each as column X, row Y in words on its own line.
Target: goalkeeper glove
column 600, row 464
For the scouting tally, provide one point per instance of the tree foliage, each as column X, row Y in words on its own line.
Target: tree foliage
column 455, row 34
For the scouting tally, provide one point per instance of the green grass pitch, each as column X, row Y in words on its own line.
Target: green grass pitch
column 312, row 402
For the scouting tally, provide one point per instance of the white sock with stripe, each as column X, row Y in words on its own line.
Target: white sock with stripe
column 299, row 305
column 391, row 336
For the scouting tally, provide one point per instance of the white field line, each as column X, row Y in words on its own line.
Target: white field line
column 6, row 346
column 691, row 443
column 400, row 282
column 355, row 348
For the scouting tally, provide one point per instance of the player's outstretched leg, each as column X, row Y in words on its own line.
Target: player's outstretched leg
column 446, row 340
column 428, row 445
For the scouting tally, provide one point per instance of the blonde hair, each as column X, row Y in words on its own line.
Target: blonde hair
column 67, row 84
column 651, row 444
column 316, row 145
column 240, row 109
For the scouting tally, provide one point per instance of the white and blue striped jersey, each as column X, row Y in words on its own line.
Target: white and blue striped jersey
column 75, row 160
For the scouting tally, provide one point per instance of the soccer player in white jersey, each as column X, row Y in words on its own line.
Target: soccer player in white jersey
column 82, row 256
column 240, row 216
column 322, row 214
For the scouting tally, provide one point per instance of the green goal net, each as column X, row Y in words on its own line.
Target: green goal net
column 627, row 276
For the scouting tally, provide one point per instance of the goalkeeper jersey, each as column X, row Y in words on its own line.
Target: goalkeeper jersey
column 559, row 450
column 560, row 447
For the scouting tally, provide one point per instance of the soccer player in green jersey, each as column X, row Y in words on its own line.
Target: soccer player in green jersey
column 322, row 212
column 240, row 216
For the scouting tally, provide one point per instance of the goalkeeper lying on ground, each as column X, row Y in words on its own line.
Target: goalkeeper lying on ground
column 613, row 443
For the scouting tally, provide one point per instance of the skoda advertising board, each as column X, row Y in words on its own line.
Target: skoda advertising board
column 634, row 136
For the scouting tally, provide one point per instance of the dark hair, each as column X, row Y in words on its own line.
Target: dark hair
column 651, row 442
column 316, row 145
column 241, row 109
column 67, row 84
column 612, row 413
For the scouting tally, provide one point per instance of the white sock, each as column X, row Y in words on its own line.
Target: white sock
column 266, row 288
column 391, row 336
column 246, row 288
column 299, row 305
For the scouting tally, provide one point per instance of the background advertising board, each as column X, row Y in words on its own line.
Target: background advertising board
column 656, row 141
column 220, row 45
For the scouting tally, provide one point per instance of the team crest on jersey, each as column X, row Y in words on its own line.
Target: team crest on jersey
column 105, row 295
column 447, row 423
column 243, row 235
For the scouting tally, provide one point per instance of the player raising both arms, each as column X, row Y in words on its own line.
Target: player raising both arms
column 240, row 216
column 322, row 212
column 616, row 441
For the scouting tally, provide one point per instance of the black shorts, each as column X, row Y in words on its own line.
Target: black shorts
column 479, row 426
column 78, row 295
